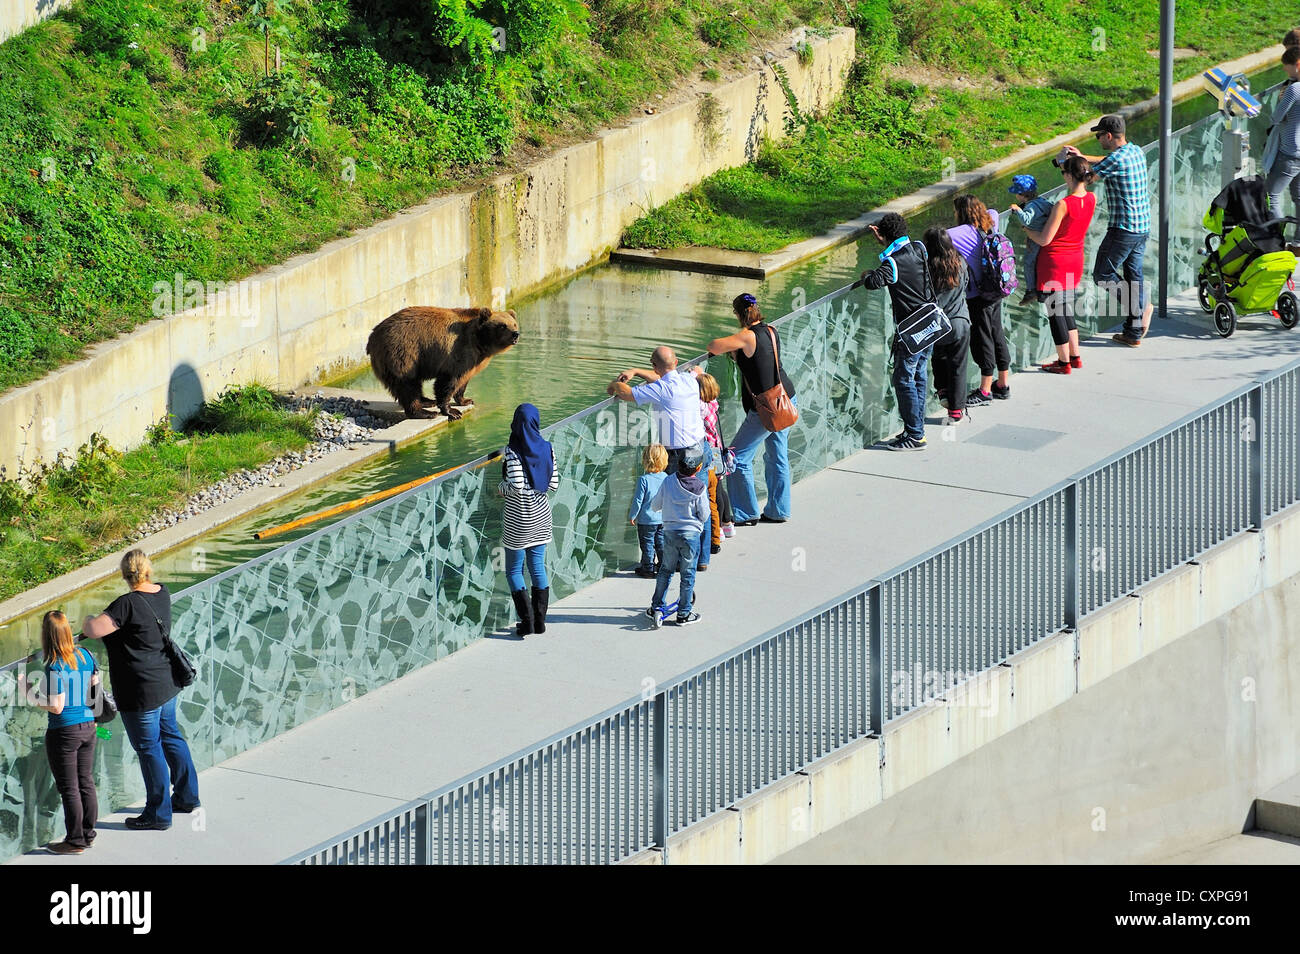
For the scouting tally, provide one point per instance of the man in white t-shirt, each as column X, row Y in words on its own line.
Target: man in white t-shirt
column 674, row 397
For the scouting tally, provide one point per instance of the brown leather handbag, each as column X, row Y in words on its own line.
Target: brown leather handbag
column 775, row 409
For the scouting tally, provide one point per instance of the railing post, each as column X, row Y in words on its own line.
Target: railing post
column 1256, row 438
column 876, row 625
column 422, row 833
column 659, row 744
column 1072, row 555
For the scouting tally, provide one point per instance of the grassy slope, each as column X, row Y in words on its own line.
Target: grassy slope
column 74, row 516
column 134, row 144
column 887, row 138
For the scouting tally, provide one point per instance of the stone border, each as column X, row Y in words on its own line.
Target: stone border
column 869, row 770
column 721, row 261
column 396, row 436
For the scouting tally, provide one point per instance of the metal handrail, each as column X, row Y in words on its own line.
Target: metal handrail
column 683, row 679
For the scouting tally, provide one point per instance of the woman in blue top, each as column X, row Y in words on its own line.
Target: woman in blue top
column 70, row 671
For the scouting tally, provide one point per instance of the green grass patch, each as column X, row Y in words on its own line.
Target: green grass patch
column 1042, row 68
column 59, row 518
column 144, row 138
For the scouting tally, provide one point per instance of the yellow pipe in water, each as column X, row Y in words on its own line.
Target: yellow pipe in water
column 362, row 501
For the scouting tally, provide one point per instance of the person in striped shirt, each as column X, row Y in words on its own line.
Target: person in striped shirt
column 1128, row 202
column 528, row 474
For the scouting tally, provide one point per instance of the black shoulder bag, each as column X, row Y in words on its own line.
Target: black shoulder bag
column 184, row 671
column 927, row 324
column 100, row 700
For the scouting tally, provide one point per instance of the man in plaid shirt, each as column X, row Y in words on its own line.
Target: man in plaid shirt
column 1128, row 199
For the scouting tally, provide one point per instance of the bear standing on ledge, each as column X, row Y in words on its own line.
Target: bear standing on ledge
column 447, row 345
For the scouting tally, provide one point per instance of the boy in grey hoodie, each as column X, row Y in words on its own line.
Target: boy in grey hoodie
column 683, row 500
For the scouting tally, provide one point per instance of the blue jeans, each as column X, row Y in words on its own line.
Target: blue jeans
column 1032, row 249
column 536, row 567
column 1120, row 250
column 679, row 557
column 1285, row 173
column 776, row 463
column 162, row 751
column 651, row 538
column 909, row 379
column 703, row 547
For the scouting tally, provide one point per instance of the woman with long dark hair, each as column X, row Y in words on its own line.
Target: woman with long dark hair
column 756, row 348
column 528, row 474
column 1060, row 261
column 949, row 275
column 70, row 672
column 988, row 342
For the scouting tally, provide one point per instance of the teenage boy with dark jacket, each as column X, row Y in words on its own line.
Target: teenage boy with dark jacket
column 903, row 270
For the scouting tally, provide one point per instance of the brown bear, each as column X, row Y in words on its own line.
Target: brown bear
column 447, row 345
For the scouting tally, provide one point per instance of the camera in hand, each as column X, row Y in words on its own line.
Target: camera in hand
column 1057, row 163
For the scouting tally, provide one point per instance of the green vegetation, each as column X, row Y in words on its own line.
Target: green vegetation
column 62, row 516
column 144, row 138
column 1029, row 72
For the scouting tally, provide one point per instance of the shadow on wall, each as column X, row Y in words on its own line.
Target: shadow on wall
column 184, row 394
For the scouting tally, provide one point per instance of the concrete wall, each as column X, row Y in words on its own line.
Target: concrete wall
column 18, row 15
column 309, row 317
column 1148, row 732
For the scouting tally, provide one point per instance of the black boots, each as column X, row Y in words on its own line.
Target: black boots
column 525, row 624
column 532, row 619
column 540, row 600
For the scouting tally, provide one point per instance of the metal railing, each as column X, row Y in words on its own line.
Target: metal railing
column 636, row 775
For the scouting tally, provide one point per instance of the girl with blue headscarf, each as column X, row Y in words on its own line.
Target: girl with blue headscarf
column 528, row 474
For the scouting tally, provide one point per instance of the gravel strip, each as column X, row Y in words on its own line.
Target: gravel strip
column 332, row 434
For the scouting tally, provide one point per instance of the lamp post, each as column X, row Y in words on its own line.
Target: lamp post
column 1166, row 132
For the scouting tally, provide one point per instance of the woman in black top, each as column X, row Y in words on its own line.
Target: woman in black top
column 133, row 629
column 753, row 349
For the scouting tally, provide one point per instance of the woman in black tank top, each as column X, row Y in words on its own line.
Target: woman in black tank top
column 756, row 349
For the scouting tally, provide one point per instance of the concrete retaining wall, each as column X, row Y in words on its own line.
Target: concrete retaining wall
column 300, row 321
column 17, row 15
column 1148, row 732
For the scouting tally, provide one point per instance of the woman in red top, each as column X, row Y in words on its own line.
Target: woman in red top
column 1060, row 263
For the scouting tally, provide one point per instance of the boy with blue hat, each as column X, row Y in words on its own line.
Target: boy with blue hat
column 1033, row 216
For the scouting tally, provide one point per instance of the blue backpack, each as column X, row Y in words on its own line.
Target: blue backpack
column 998, row 261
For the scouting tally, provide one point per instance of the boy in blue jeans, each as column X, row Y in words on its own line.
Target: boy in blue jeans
column 1032, row 212
column 683, row 501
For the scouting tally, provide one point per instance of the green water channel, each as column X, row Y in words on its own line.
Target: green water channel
column 576, row 336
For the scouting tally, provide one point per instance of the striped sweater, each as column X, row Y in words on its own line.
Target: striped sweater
column 527, row 518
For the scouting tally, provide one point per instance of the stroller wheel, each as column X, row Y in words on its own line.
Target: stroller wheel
column 1225, row 319
column 1203, row 293
column 1288, row 309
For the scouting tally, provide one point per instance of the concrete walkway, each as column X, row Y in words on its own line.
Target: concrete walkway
column 859, row 518
column 1251, row 848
